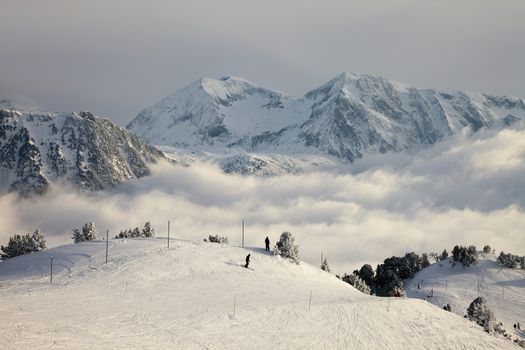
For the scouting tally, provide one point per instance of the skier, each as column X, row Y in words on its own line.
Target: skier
column 267, row 243
column 247, row 260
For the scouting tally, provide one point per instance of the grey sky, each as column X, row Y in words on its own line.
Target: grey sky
column 116, row 57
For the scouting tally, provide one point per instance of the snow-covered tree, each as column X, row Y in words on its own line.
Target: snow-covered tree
column 480, row 312
column 465, row 255
column 325, row 266
column 356, row 282
column 88, row 233
column 218, row 239
column 424, row 260
column 366, row 272
column 444, row 255
column 387, row 281
column 24, row 244
column 487, row 249
column 510, row 260
column 148, row 231
column 135, row 232
column 286, row 247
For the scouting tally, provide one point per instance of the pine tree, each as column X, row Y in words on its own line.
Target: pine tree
column 444, row 255
column 20, row 245
column 148, row 231
column 37, row 241
column 387, row 281
column 135, row 232
column 424, row 261
column 286, row 247
column 77, row 236
column 479, row 312
column 325, row 266
column 356, row 282
column 366, row 272
column 88, row 233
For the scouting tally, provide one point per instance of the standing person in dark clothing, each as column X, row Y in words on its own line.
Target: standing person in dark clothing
column 247, row 260
column 267, row 243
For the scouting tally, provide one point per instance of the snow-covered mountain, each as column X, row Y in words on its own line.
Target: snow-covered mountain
column 197, row 295
column 347, row 117
column 38, row 149
column 504, row 288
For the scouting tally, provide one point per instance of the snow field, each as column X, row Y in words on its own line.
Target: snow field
column 150, row 297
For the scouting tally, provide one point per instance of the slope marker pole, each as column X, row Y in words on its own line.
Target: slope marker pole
column 243, row 233
column 51, row 274
column 234, row 305
column 310, row 302
column 168, row 233
column 107, row 244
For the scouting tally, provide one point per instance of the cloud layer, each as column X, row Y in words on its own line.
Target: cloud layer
column 467, row 190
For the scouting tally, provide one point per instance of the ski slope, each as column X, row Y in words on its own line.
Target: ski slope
column 150, row 297
column 458, row 286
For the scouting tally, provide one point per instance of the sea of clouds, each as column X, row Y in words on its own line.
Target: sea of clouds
column 467, row 190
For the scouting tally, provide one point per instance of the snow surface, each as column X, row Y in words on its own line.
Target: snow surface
column 459, row 286
column 148, row 296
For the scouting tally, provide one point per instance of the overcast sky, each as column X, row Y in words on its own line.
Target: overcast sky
column 116, row 57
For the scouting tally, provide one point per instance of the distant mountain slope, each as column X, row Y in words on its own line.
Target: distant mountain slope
column 347, row 117
column 79, row 148
column 458, row 286
column 198, row 296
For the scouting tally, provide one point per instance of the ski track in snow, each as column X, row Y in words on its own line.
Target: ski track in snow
column 149, row 297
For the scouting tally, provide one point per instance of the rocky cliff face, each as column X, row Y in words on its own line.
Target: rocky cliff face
column 347, row 117
column 37, row 150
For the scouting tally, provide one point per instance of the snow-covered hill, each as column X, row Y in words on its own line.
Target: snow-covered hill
column 458, row 286
column 38, row 149
column 348, row 117
column 150, row 297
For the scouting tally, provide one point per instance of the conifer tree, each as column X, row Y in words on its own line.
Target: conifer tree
column 325, row 266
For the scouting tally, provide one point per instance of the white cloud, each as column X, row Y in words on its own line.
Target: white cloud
column 468, row 190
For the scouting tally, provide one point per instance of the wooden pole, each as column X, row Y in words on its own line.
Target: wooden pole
column 51, row 275
column 107, row 245
column 168, row 233
column 321, row 258
column 310, row 302
column 234, row 305
column 243, row 233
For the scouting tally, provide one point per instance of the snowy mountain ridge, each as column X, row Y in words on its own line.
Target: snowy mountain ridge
column 197, row 295
column 346, row 118
column 39, row 149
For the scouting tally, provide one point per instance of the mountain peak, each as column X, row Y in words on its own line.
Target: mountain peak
column 22, row 104
column 353, row 84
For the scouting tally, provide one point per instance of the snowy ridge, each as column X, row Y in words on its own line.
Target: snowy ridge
column 149, row 296
column 258, row 164
column 459, row 286
column 348, row 117
column 38, row 149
